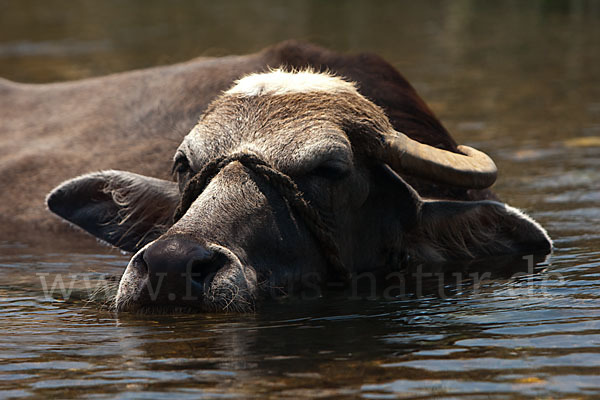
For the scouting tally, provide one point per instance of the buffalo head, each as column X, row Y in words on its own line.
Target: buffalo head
column 288, row 175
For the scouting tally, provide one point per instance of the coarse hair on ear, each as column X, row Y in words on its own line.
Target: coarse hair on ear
column 445, row 230
column 451, row 230
column 121, row 208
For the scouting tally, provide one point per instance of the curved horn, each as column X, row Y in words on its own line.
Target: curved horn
column 472, row 169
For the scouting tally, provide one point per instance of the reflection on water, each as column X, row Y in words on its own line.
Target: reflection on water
column 520, row 80
column 534, row 335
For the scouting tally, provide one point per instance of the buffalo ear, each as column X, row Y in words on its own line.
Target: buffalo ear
column 472, row 229
column 124, row 209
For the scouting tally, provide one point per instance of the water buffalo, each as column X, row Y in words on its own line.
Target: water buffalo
column 304, row 162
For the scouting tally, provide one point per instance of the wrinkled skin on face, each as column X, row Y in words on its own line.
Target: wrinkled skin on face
column 240, row 239
column 261, row 244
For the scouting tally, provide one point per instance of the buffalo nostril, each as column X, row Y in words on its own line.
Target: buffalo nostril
column 180, row 268
column 202, row 271
column 138, row 263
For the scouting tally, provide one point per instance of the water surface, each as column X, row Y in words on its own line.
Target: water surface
column 519, row 80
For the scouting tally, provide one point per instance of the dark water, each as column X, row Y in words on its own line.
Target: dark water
column 519, row 80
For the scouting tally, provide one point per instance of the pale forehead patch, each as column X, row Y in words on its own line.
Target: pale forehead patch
column 282, row 82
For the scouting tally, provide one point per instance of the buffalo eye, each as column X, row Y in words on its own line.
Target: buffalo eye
column 332, row 170
column 181, row 168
